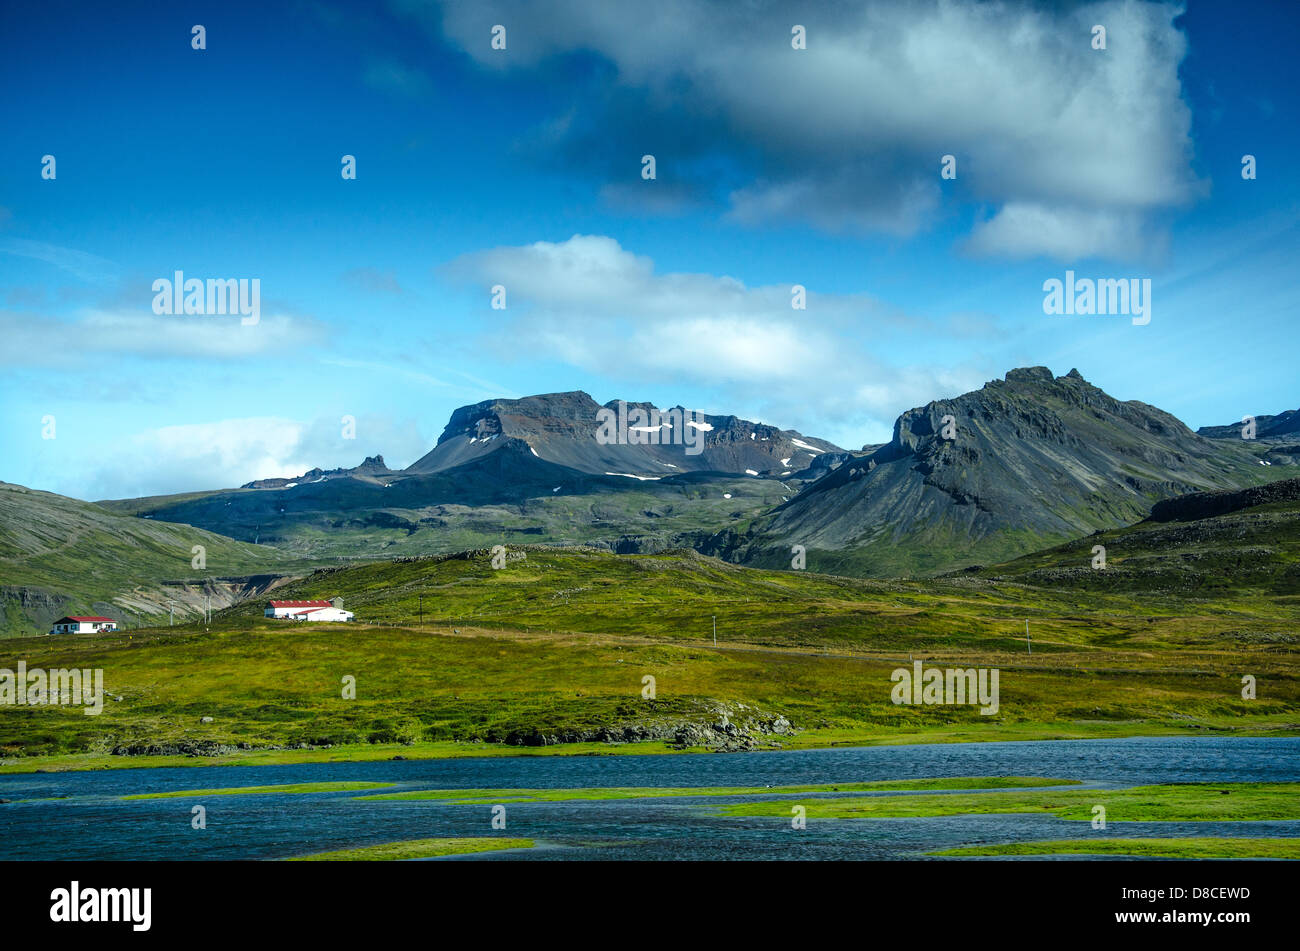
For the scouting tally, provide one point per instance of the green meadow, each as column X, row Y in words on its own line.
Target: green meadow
column 560, row 642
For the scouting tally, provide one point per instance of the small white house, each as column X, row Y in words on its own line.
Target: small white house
column 331, row 610
column 83, row 625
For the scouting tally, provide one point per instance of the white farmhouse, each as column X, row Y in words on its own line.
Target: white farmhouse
column 83, row 625
column 331, row 610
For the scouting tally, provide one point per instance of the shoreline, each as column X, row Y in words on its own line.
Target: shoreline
column 452, row 749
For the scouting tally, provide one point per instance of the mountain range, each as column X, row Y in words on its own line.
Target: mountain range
column 1022, row 464
column 1279, row 436
column 562, row 428
column 529, row 468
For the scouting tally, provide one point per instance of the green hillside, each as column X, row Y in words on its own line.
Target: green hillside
column 349, row 518
column 553, row 648
column 675, row 595
column 60, row 555
column 1248, row 548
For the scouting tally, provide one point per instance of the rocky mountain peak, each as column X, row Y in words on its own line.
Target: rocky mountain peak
column 1030, row 375
column 649, row 442
column 523, row 417
column 1023, row 460
column 371, row 466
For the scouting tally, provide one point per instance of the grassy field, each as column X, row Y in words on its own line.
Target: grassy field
column 416, row 849
column 1207, row 848
column 674, row 596
column 558, row 642
column 1174, row 802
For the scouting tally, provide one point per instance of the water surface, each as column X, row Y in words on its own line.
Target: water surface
column 91, row 821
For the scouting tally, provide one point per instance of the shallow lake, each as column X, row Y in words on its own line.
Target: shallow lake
column 93, row 822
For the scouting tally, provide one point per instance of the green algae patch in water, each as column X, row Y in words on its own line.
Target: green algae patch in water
column 288, row 788
column 1207, row 848
column 416, row 849
column 1173, row 802
column 463, row 796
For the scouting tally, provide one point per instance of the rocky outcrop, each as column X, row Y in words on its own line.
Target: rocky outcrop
column 1185, row 508
column 29, row 610
column 719, row 726
column 715, row 725
column 204, row 748
column 372, row 467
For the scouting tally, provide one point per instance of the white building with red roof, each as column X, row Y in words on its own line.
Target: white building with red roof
column 331, row 610
column 83, row 625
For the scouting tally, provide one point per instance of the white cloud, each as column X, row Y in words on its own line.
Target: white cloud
column 900, row 212
column 45, row 341
column 596, row 306
column 1023, row 230
column 848, row 133
column 239, row 446
column 213, row 455
column 231, row 452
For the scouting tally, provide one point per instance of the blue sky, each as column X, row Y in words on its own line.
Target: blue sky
column 522, row 167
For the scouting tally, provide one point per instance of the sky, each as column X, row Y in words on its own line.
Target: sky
column 523, row 169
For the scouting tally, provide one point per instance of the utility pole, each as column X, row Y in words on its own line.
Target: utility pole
column 715, row 630
column 421, row 610
column 172, row 605
column 1027, row 640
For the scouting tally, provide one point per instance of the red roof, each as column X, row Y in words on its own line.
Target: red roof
column 101, row 620
column 301, row 604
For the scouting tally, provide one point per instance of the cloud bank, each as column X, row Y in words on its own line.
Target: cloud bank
column 594, row 305
column 231, row 452
column 1062, row 149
